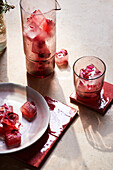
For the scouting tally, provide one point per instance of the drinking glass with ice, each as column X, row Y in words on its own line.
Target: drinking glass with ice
column 89, row 72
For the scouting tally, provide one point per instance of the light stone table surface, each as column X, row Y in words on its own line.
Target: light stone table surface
column 83, row 28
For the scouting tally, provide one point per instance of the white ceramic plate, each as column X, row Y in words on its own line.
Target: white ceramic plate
column 16, row 95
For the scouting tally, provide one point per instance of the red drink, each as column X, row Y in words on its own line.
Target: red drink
column 89, row 86
column 88, row 77
column 39, row 37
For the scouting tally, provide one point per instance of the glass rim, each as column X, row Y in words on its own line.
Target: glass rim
column 56, row 9
column 89, row 78
column 45, row 60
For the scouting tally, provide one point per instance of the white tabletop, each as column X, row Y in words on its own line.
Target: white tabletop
column 83, row 28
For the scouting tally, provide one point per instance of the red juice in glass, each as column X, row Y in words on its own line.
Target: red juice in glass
column 89, row 74
column 39, row 35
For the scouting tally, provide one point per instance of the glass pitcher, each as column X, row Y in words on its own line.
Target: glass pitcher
column 39, row 35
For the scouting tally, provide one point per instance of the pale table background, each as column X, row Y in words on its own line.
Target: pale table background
column 83, row 28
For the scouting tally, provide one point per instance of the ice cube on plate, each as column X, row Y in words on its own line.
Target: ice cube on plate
column 28, row 110
column 13, row 138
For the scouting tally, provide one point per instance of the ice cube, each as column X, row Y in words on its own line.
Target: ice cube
column 90, row 72
column 61, row 57
column 39, row 47
column 89, row 84
column 32, row 31
column 48, row 26
column 39, row 19
column 13, row 138
column 28, row 110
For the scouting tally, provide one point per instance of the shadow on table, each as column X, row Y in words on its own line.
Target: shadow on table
column 3, row 67
column 98, row 129
column 9, row 163
column 47, row 86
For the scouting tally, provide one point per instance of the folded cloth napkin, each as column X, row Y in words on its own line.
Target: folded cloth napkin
column 61, row 118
